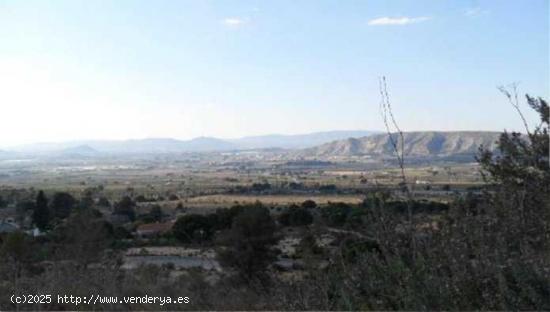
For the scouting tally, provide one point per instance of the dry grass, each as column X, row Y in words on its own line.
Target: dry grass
column 271, row 199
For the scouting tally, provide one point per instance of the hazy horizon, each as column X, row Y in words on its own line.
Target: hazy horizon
column 80, row 70
column 228, row 139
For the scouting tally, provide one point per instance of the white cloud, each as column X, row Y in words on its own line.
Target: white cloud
column 404, row 20
column 473, row 12
column 234, row 21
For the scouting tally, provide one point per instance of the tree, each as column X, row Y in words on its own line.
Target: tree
column 141, row 198
column 260, row 187
column 87, row 201
column 103, row 202
column 61, row 205
column 22, row 208
column 309, row 204
column 249, row 242
column 296, row 216
column 193, row 228
column 521, row 158
column 156, row 213
column 336, row 214
column 488, row 252
column 3, row 203
column 16, row 250
column 126, row 206
column 41, row 214
column 225, row 217
column 83, row 237
column 520, row 174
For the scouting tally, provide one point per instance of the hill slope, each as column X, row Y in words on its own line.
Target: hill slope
column 422, row 143
column 81, row 150
column 298, row 140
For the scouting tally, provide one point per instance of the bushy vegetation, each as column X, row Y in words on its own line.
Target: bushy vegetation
column 296, row 216
column 3, row 203
column 61, row 205
column 488, row 252
column 194, row 228
column 126, row 207
column 41, row 214
column 247, row 244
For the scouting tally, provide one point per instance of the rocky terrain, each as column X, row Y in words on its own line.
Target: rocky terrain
column 418, row 144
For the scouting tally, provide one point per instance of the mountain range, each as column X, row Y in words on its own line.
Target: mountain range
column 314, row 145
column 297, row 141
column 200, row 144
column 418, row 144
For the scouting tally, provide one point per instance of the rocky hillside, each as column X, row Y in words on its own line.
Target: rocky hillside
column 424, row 143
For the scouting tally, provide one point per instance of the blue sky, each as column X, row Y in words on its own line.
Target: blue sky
column 132, row 69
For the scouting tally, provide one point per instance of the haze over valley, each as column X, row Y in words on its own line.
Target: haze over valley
column 314, row 145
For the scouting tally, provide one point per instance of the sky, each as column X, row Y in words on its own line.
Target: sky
column 80, row 69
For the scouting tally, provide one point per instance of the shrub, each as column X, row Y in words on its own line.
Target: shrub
column 103, row 202
column 193, row 228
column 41, row 214
column 61, row 205
column 336, row 214
column 296, row 216
column 126, row 206
column 249, row 241
column 309, row 204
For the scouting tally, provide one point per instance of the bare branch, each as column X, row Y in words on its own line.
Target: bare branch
column 387, row 115
column 386, row 111
column 511, row 93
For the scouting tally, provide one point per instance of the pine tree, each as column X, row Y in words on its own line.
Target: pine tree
column 41, row 215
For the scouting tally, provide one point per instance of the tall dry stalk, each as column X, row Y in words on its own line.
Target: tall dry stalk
column 511, row 93
column 399, row 150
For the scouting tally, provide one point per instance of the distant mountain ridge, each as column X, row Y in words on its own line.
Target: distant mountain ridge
column 314, row 145
column 162, row 145
column 200, row 144
column 80, row 150
column 297, row 141
column 419, row 143
column 134, row 146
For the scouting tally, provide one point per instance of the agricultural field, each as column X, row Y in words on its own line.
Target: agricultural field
column 216, row 181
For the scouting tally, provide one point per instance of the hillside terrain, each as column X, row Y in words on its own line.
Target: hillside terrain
column 298, row 141
column 418, row 144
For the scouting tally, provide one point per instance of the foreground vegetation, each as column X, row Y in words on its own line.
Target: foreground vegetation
column 484, row 250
